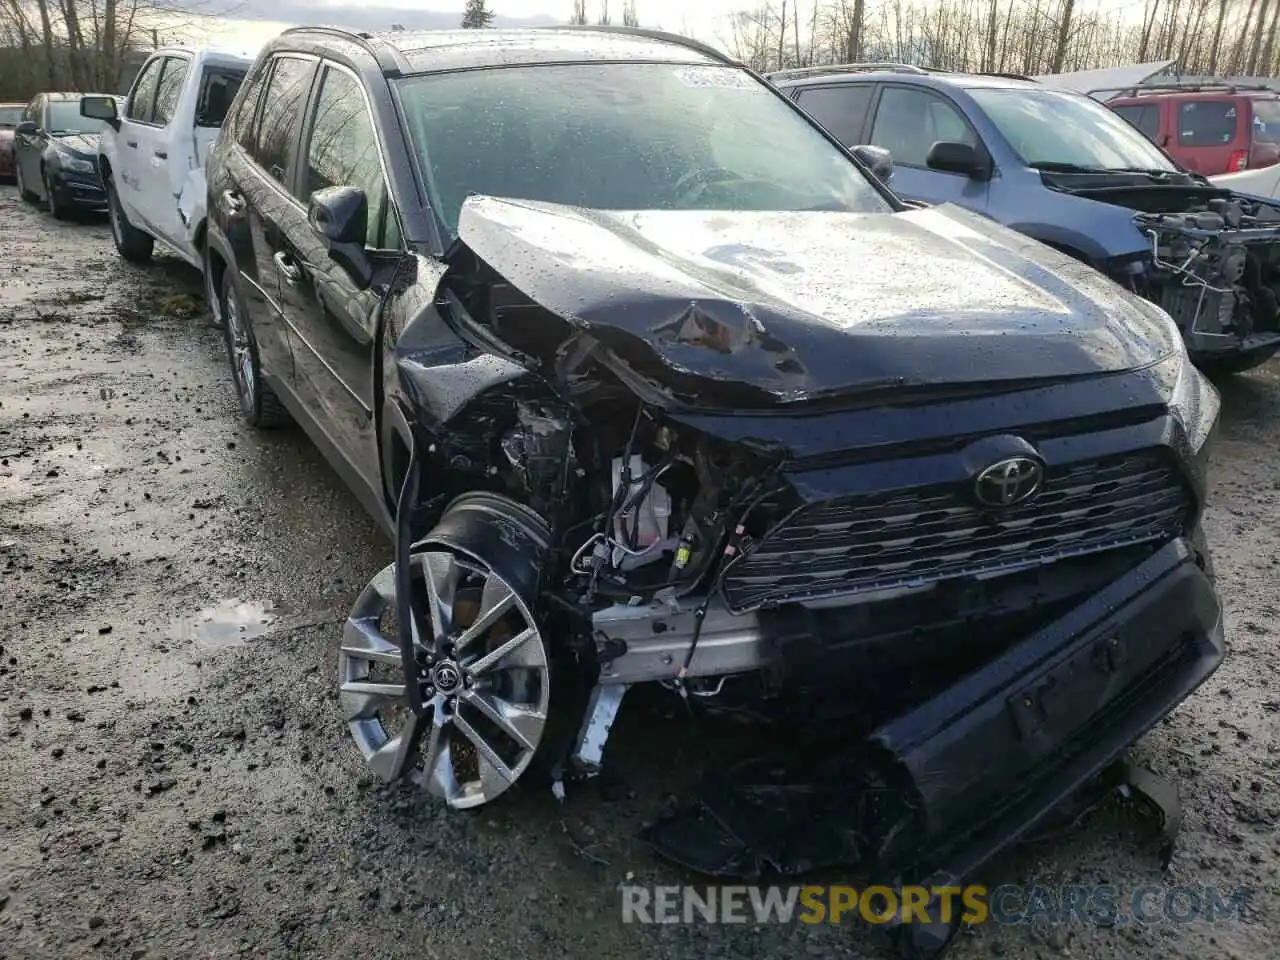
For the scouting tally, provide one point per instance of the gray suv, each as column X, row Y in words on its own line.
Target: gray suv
column 1063, row 169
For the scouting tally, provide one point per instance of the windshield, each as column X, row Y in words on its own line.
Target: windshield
column 9, row 116
column 1048, row 128
column 64, row 117
column 636, row 136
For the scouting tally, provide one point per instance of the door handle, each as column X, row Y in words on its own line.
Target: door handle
column 132, row 143
column 162, row 154
column 232, row 202
column 287, row 268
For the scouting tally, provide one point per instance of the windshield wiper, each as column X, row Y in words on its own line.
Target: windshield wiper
column 1058, row 166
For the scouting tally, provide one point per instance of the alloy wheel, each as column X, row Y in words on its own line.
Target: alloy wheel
column 483, row 669
column 242, row 362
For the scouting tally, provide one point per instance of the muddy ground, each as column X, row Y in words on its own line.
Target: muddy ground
column 173, row 786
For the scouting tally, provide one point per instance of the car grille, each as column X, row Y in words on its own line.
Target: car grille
column 909, row 538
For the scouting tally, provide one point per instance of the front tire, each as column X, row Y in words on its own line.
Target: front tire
column 58, row 211
column 23, row 192
column 134, row 245
column 258, row 403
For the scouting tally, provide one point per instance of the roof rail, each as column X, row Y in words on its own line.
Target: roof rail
column 796, row 73
column 390, row 61
column 646, row 33
column 1008, row 76
column 1140, row 89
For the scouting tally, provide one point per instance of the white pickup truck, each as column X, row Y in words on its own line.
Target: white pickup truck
column 152, row 157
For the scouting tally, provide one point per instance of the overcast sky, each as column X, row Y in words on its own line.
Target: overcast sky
column 254, row 21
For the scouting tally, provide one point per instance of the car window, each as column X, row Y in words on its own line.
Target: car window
column 840, row 109
column 1054, row 128
column 218, row 88
column 343, row 151
column 144, row 92
column 1144, row 116
column 625, row 136
column 1207, row 123
column 9, row 116
column 1266, row 121
column 169, row 89
column 277, row 138
column 909, row 121
column 243, row 127
column 63, row 116
column 32, row 112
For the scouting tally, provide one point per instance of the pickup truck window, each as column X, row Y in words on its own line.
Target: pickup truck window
column 144, row 92
column 343, row 151
column 169, row 89
column 282, row 104
column 217, row 89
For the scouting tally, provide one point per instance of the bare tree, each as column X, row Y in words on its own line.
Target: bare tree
column 579, row 15
column 477, row 15
column 603, row 18
column 629, row 16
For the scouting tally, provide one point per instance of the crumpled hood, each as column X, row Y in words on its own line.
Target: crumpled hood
column 83, row 143
column 759, row 308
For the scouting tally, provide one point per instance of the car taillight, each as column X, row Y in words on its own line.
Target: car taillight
column 1239, row 160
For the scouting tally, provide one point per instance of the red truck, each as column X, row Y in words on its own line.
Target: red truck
column 1209, row 129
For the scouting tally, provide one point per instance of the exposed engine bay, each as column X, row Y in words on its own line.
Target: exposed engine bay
column 652, row 449
column 1215, row 268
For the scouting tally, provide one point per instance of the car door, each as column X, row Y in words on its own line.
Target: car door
column 908, row 121
column 260, row 164
column 130, row 165
column 161, row 180
column 27, row 146
column 332, row 319
column 840, row 107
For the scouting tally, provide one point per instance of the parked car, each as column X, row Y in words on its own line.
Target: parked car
column 1263, row 182
column 10, row 115
column 573, row 313
column 153, row 155
column 56, row 155
column 1063, row 169
column 1208, row 129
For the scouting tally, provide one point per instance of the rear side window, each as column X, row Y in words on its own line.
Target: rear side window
column 218, row 87
column 1266, row 121
column 169, row 89
column 910, row 121
column 1144, row 116
column 144, row 92
column 1207, row 123
column 840, row 109
column 277, row 138
column 343, row 151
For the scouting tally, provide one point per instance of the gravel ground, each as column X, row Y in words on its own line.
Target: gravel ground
column 175, row 779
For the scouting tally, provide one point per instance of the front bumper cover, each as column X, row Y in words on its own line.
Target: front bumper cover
column 967, row 773
column 83, row 191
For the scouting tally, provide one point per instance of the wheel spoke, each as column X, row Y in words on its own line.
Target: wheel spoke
column 441, row 576
column 393, row 758
column 438, row 761
column 486, row 752
column 505, row 650
column 362, row 700
column 495, row 600
column 518, row 724
column 362, row 640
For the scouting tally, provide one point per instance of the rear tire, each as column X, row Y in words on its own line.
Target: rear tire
column 134, row 245
column 259, row 405
column 1238, row 363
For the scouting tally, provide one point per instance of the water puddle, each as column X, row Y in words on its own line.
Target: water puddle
column 228, row 623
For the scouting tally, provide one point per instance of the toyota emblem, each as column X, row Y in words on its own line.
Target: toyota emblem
column 1008, row 482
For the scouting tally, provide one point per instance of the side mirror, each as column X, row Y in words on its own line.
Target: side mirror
column 340, row 217
column 878, row 159
column 27, row 128
column 953, row 156
column 100, row 108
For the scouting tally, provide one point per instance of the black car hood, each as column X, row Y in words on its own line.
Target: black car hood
column 82, row 143
column 762, row 308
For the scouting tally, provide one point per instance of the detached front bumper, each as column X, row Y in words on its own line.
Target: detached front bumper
column 993, row 755
column 943, row 788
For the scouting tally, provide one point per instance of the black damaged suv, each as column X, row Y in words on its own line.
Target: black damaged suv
column 651, row 381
